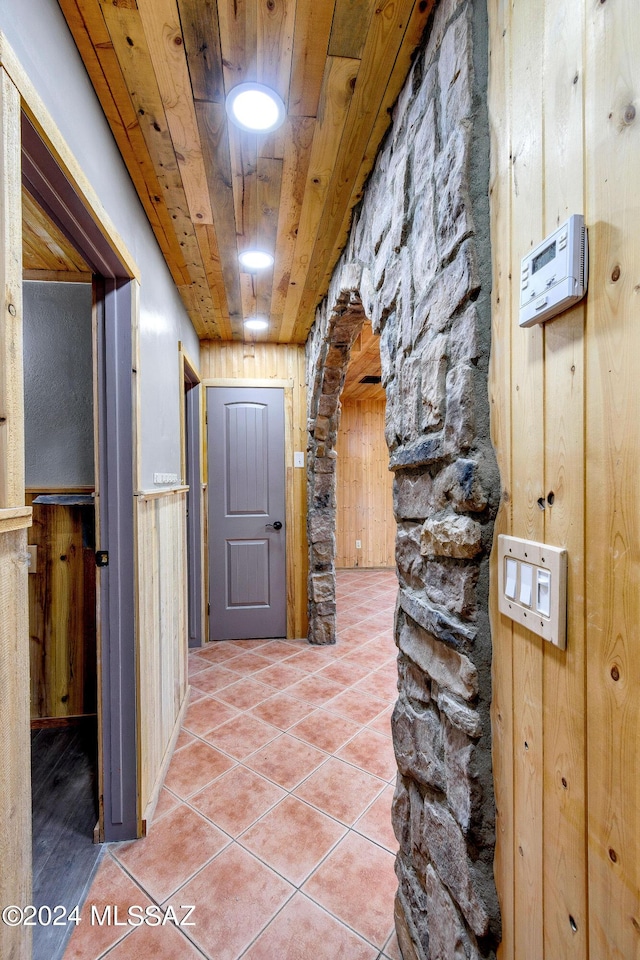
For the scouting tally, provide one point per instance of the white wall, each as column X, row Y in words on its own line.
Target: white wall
column 58, row 384
column 38, row 34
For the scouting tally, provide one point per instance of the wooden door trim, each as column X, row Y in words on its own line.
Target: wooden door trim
column 52, row 170
column 34, row 108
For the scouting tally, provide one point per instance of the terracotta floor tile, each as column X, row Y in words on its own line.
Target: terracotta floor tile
column 282, row 711
column 196, row 665
column 245, row 693
column 357, row 634
column 277, row 650
column 242, row 735
column 356, row 706
column 166, row 802
column 304, row 931
column 206, row 714
column 382, row 724
column 375, row 823
column 214, row 678
column 237, row 799
column 160, row 942
column 178, row 845
column 292, row 838
column 392, row 948
column 286, row 761
column 364, row 656
column 193, row 767
column 325, row 730
column 379, row 684
column 235, row 897
column 357, row 884
column 281, row 675
column 250, row 645
column 340, row 790
column 195, row 694
column 372, row 752
column 246, row 663
column 344, row 673
column 384, row 645
column 311, row 659
column 111, row 887
column 315, row 689
column 217, row 651
column 184, row 739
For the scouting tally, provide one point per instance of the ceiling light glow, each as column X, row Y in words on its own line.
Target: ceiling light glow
column 256, row 323
column 254, row 107
column 256, row 259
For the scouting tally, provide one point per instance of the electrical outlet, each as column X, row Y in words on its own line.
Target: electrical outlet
column 358, row 544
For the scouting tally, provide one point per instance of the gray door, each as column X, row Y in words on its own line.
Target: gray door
column 247, row 575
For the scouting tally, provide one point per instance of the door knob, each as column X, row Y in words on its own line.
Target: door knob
column 276, row 525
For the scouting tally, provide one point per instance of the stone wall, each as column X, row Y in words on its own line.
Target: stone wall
column 417, row 263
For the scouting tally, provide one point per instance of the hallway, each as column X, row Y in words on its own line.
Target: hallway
column 275, row 817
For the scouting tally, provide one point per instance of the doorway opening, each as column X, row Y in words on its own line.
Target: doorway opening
column 365, row 527
column 60, row 489
column 80, row 428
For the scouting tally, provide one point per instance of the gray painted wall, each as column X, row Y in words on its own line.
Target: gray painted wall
column 40, row 38
column 58, row 384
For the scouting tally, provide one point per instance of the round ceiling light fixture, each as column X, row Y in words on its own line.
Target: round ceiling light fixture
column 255, row 259
column 256, row 323
column 254, row 107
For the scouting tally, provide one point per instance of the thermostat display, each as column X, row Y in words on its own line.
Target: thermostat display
column 554, row 275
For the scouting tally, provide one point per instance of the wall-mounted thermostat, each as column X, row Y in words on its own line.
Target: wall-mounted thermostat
column 554, row 275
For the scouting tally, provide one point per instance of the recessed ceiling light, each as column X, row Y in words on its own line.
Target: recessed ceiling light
column 254, row 107
column 255, row 259
column 256, row 323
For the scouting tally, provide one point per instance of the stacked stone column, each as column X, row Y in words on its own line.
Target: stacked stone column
column 417, row 264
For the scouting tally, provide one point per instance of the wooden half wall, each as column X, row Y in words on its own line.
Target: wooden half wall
column 163, row 636
column 564, row 107
column 364, row 488
column 246, row 364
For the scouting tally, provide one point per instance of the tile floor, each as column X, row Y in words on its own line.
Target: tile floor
column 274, row 821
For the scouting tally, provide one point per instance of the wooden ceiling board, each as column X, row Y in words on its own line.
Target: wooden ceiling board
column 369, row 110
column 364, row 362
column 93, row 42
column 162, row 68
column 127, row 35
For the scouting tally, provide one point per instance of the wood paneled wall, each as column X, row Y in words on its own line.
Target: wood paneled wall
column 565, row 138
column 62, row 610
column 261, row 362
column 163, row 635
column 364, row 488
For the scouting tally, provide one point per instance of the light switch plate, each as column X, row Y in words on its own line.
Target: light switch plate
column 298, row 458
column 552, row 561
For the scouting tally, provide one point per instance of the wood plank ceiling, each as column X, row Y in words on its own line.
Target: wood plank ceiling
column 162, row 69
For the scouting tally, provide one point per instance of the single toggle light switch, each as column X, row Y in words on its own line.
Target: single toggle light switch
column 511, row 577
column 543, row 592
column 526, row 583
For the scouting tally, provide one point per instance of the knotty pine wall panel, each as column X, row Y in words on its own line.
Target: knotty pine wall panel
column 364, row 488
column 62, row 610
column 253, row 362
column 163, row 633
column 565, row 137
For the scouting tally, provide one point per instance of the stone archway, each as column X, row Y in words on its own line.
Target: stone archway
column 326, row 369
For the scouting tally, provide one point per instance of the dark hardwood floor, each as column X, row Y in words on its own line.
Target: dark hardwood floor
column 64, row 799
